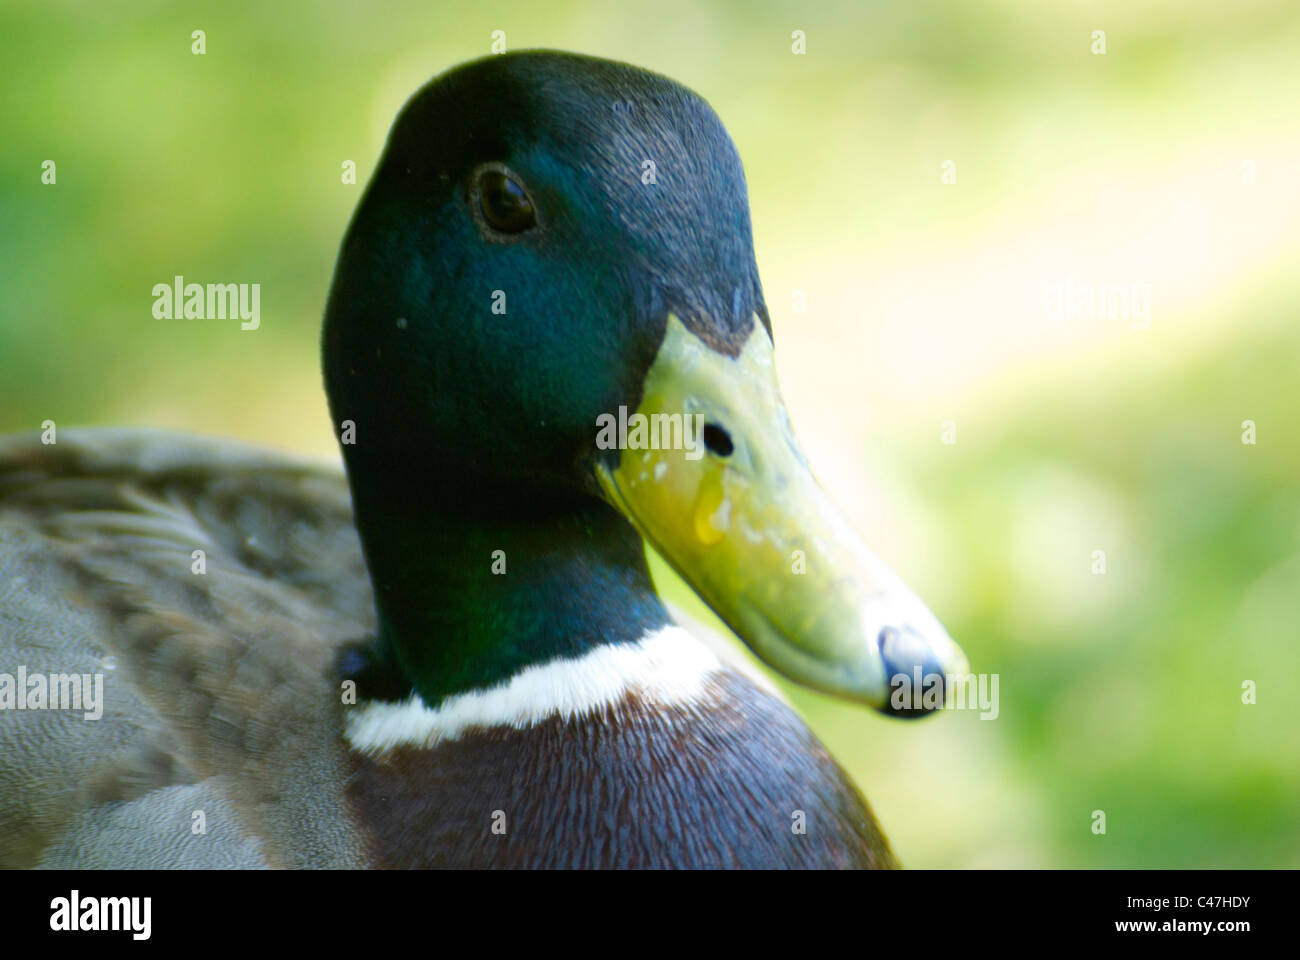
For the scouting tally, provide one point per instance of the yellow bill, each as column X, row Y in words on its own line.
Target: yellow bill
column 709, row 472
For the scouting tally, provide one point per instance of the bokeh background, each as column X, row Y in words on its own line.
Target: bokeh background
column 925, row 302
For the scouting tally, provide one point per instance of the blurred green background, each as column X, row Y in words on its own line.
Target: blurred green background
column 925, row 303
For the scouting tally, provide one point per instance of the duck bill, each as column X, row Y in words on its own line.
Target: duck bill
column 709, row 472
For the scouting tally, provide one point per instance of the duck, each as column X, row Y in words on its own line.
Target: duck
column 544, row 348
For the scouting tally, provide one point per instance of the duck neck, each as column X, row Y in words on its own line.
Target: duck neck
column 475, row 584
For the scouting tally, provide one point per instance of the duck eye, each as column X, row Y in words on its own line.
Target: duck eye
column 504, row 203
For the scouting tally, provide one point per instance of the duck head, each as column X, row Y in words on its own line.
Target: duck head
column 547, row 313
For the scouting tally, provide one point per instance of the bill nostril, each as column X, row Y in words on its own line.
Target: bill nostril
column 902, row 660
column 718, row 440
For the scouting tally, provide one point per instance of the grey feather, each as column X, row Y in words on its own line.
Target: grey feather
column 217, row 686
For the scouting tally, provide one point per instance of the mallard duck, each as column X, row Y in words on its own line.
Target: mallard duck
column 456, row 656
